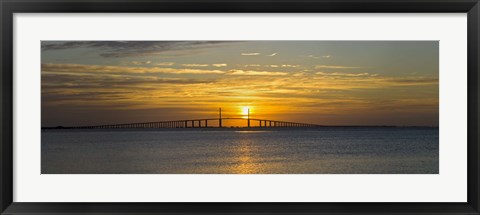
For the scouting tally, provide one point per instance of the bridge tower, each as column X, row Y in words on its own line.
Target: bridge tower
column 220, row 118
column 248, row 117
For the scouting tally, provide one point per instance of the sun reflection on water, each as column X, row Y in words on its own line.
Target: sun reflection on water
column 251, row 131
column 246, row 158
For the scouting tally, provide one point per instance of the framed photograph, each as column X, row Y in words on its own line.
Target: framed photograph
column 239, row 107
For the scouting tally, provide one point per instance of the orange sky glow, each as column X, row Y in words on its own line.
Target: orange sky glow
column 320, row 82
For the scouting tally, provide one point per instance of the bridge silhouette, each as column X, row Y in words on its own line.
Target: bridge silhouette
column 200, row 123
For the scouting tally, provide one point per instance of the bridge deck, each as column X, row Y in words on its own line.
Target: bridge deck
column 197, row 123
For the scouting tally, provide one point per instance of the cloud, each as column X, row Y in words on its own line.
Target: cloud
column 113, row 49
column 290, row 66
column 335, row 67
column 298, row 74
column 79, row 68
column 250, row 54
column 165, row 64
column 121, row 91
column 219, row 65
column 415, row 81
column 252, row 65
column 273, row 54
column 370, row 81
column 92, row 81
column 141, row 62
column 251, row 72
column 195, row 65
column 318, row 57
column 345, row 74
column 283, row 65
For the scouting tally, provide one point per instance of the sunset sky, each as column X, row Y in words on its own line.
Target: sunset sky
column 321, row 82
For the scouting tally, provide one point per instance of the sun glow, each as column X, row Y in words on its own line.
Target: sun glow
column 245, row 111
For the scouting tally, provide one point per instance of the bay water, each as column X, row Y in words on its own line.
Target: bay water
column 322, row 150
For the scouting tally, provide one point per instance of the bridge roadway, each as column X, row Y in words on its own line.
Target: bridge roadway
column 199, row 123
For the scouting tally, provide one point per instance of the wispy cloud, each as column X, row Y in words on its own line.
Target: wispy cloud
column 252, row 65
column 75, row 68
column 165, row 64
column 336, row 67
column 273, row 54
column 345, row 74
column 132, row 48
column 195, row 65
column 319, row 57
column 344, row 80
column 251, row 72
column 298, row 74
column 141, row 62
column 250, row 54
column 219, row 65
column 414, row 81
column 290, row 66
column 283, row 65
column 52, row 80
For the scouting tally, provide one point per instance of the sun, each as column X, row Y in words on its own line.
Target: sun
column 245, row 110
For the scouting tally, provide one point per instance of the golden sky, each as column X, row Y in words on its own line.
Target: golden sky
column 321, row 82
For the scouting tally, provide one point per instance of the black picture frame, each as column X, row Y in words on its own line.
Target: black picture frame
column 9, row 7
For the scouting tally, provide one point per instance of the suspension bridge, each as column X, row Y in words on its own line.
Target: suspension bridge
column 199, row 123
